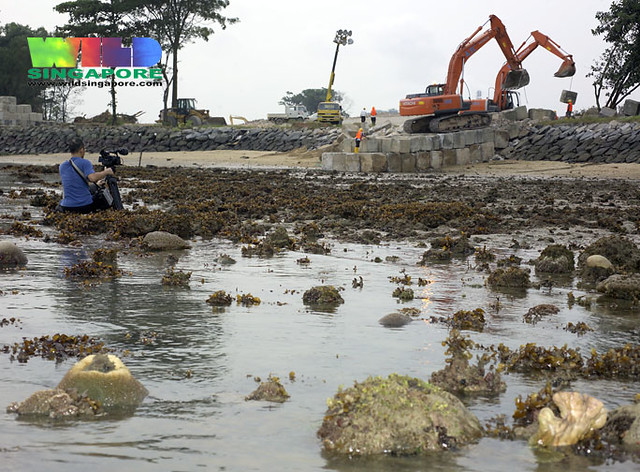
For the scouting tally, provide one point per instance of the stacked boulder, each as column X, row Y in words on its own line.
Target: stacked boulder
column 53, row 138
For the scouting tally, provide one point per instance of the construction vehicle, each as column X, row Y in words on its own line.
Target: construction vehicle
column 507, row 99
column 187, row 113
column 291, row 113
column 329, row 111
column 441, row 108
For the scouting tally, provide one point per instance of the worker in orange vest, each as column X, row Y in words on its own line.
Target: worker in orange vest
column 359, row 138
column 374, row 115
column 569, row 109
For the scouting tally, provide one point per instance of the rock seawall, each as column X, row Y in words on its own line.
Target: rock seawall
column 46, row 139
column 612, row 142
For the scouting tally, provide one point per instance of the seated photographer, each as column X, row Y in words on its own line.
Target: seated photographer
column 76, row 194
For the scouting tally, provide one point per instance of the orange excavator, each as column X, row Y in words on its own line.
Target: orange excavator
column 506, row 99
column 441, row 108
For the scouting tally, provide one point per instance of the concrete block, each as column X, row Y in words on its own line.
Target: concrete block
column 370, row 145
column 475, row 153
column 334, row 161
column 608, row 112
column 408, row 163
column 8, row 107
column 36, row 117
column 420, row 143
column 631, row 107
column 567, row 95
column 6, row 101
column 463, row 156
column 437, row 159
column 23, row 108
column 352, row 162
column 488, row 135
column 542, row 114
column 501, row 139
column 385, row 145
column 517, row 114
column 373, row 162
column 423, row 161
column 449, row 158
column 446, row 140
column 435, row 142
column 487, row 151
column 470, row 137
column 5, row 115
column 401, row 144
column 458, row 139
column 347, row 145
column 394, row 163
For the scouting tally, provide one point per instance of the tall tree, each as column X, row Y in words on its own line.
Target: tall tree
column 175, row 23
column 617, row 71
column 16, row 61
column 310, row 98
column 101, row 18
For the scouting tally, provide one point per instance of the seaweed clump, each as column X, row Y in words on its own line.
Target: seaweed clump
column 538, row 312
column 95, row 270
column 246, row 299
column 220, row 298
column 445, row 248
column 512, row 277
column 459, row 376
column 470, row 320
column 404, row 294
column 57, row 347
column 555, row 259
column 271, row 391
column 176, row 278
column 322, row 295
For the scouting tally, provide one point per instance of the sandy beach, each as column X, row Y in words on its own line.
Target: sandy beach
column 312, row 160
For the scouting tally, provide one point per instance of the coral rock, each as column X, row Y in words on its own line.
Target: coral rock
column 163, row 241
column 398, row 416
column 11, row 255
column 579, row 415
column 104, row 378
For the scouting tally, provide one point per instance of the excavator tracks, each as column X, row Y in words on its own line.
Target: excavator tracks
column 447, row 124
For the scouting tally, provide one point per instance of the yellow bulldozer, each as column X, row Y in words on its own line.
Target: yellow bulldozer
column 187, row 113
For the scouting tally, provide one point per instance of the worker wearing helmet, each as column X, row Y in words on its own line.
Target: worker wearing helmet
column 359, row 138
column 569, row 109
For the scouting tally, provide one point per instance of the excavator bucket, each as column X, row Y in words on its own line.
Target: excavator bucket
column 567, row 69
column 516, row 79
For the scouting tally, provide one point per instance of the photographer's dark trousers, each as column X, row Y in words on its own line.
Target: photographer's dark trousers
column 81, row 209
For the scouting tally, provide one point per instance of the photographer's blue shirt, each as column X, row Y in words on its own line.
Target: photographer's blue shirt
column 75, row 189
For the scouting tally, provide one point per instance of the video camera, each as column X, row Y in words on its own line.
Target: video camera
column 111, row 158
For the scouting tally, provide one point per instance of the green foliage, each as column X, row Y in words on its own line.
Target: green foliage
column 310, row 98
column 175, row 23
column 16, row 61
column 617, row 71
column 102, row 18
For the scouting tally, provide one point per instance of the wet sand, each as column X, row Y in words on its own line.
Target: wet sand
column 312, row 160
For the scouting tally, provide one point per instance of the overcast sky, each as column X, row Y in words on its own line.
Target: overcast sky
column 399, row 47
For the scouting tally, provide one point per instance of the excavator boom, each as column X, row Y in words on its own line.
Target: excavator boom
column 567, row 68
column 443, row 111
